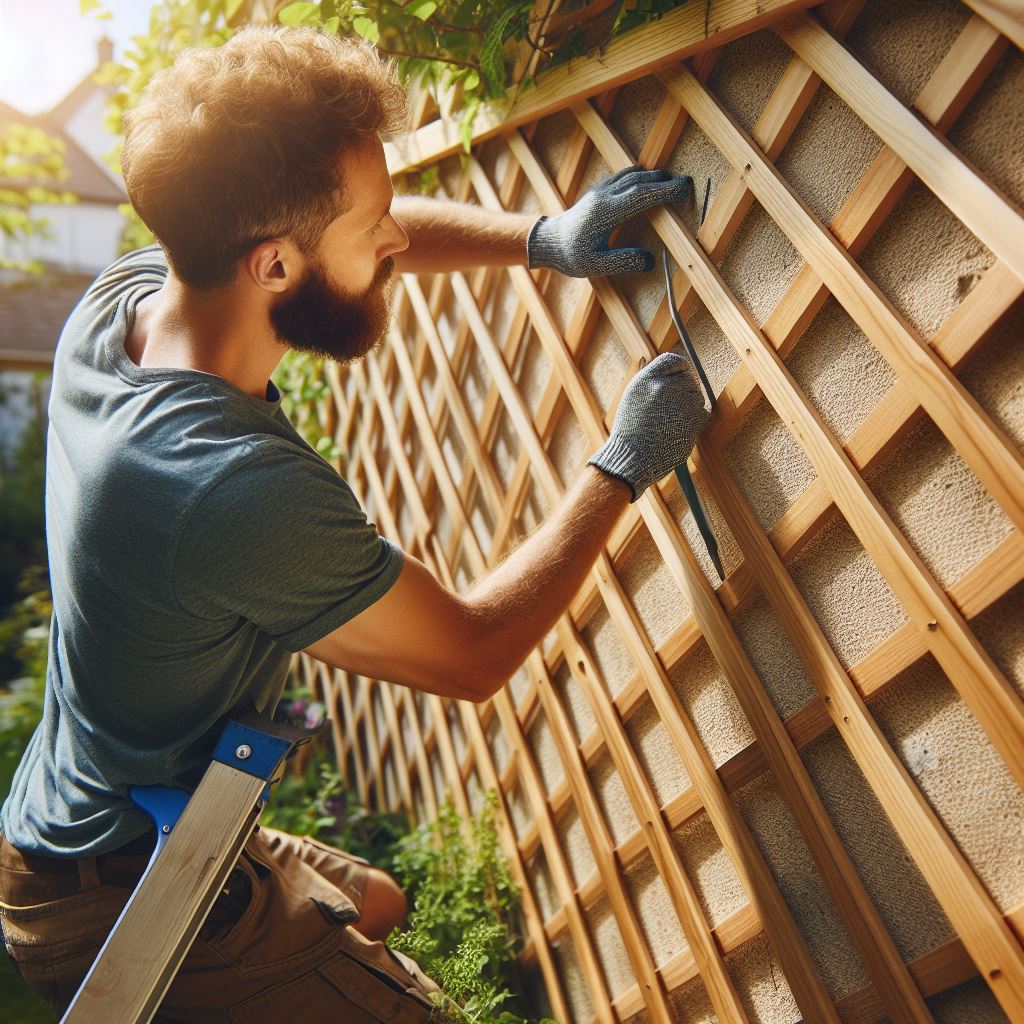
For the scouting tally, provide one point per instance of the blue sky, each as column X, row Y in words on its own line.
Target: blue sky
column 47, row 47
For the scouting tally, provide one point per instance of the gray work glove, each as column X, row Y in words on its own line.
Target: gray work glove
column 575, row 243
column 661, row 413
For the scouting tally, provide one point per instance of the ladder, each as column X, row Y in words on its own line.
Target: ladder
column 199, row 840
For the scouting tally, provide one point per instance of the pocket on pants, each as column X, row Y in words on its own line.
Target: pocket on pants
column 53, row 944
column 348, row 986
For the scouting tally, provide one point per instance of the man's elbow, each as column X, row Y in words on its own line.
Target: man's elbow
column 481, row 685
column 482, row 677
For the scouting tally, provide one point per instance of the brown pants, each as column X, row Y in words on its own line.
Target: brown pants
column 276, row 945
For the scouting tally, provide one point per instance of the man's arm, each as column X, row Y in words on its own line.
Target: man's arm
column 445, row 236
column 424, row 636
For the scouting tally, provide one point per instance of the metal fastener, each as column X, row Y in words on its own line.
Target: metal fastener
column 243, row 751
column 166, row 830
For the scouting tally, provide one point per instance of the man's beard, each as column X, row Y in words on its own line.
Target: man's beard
column 325, row 321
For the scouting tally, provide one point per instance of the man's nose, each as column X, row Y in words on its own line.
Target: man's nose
column 399, row 240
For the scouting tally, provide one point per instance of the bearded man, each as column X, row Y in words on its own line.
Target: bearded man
column 196, row 541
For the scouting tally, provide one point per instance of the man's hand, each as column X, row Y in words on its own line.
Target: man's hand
column 659, row 417
column 575, row 243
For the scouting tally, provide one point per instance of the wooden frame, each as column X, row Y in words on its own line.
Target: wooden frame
column 424, row 468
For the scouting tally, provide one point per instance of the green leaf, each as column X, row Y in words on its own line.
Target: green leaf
column 299, row 14
column 421, row 9
column 492, row 56
column 367, row 28
column 466, row 124
column 471, row 81
column 331, row 25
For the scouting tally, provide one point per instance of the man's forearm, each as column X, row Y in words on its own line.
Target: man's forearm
column 445, row 236
column 521, row 600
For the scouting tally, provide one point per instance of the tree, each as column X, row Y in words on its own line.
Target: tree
column 31, row 170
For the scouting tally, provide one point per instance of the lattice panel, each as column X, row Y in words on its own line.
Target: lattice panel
column 794, row 795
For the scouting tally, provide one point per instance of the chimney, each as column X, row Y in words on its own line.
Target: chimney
column 104, row 51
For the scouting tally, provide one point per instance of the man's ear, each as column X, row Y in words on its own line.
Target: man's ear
column 272, row 265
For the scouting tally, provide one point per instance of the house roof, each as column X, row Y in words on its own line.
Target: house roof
column 87, row 179
column 32, row 314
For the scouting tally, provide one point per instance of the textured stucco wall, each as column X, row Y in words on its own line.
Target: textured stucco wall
column 925, row 262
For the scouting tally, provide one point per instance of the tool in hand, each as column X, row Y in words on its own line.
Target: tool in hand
column 199, row 840
column 693, row 498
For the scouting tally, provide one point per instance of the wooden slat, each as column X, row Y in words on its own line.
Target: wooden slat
column 624, row 913
column 746, row 857
column 1005, row 15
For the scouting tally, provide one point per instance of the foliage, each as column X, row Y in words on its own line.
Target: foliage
column 24, row 641
column 22, row 543
column 31, row 170
column 307, row 401
column 313, row 800
column 463, row 927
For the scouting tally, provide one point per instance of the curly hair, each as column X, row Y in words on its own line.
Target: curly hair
column 236, row 144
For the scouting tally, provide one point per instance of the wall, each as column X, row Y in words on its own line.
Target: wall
column 795, row 794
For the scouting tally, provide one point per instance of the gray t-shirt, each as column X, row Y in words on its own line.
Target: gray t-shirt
column 195, row 542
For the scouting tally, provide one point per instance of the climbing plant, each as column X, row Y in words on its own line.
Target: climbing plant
column 462, row 49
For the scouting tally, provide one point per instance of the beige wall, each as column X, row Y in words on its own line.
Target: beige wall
column 926, row 263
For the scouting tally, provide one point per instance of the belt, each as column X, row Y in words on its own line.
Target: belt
column 27, row 878
column 141, row 846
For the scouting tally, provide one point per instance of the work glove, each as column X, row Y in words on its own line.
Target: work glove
column 575, row 243
column 660, row 415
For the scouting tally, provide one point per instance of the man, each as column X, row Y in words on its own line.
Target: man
column 196, row 541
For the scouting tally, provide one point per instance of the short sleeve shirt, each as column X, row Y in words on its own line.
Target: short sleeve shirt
column 195, row 542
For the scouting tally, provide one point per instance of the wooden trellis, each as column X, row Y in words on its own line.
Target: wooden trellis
column 489, row 396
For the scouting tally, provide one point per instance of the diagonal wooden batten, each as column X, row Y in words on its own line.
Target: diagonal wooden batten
column 686, row 739
column 983, row 210
column 571, row 906
column 475, row 737
column 723, row 994
column 651, row 987
column 720, row 986
column 1005, row 15
column 983, row 687
column 862, row 920
column 531, row 912
column 678, row 34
